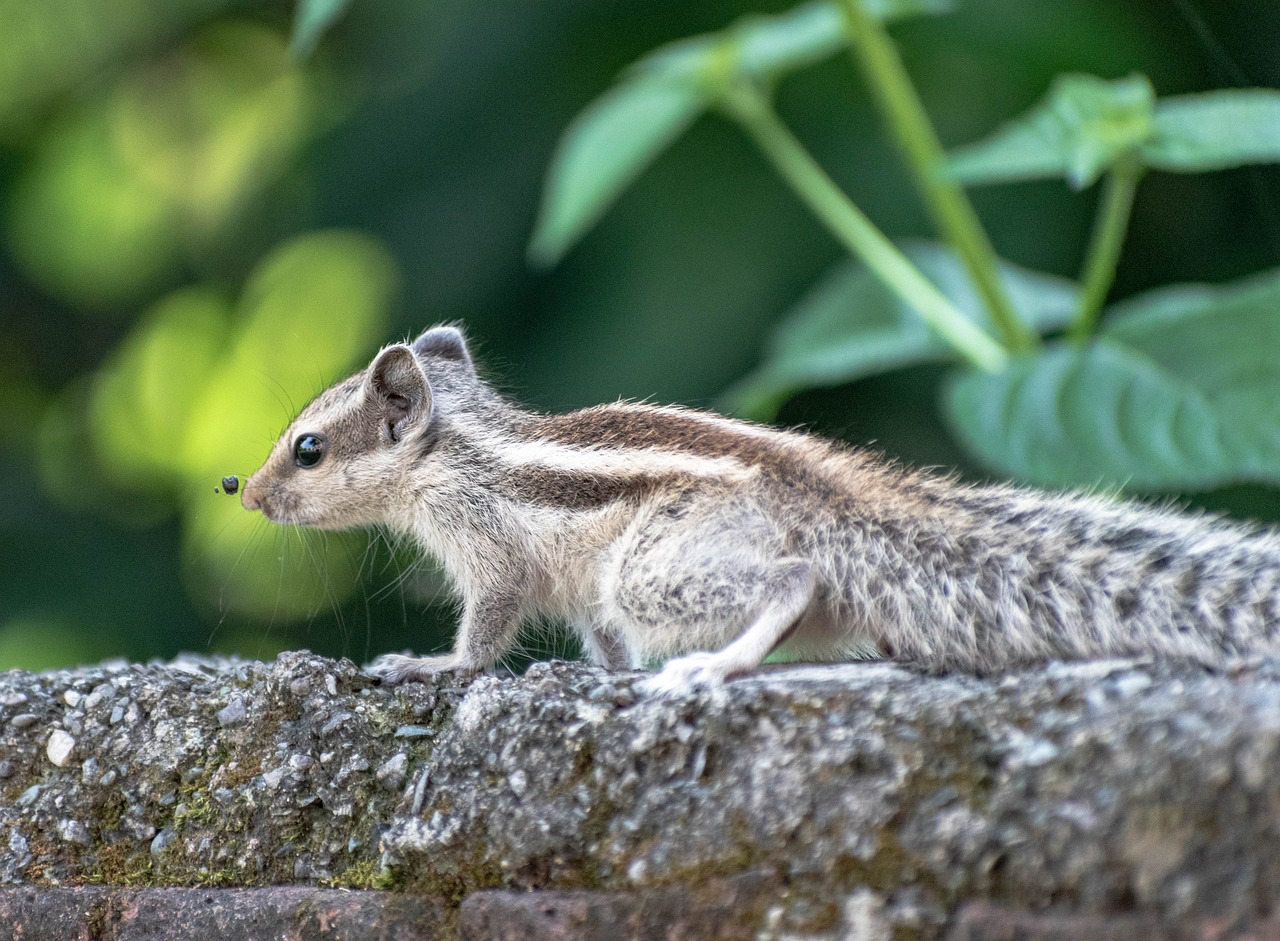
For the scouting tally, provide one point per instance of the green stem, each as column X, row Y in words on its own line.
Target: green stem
column 1103, row 254
column 947, row 203
column 850, row 225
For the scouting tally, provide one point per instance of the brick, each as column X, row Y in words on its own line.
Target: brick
column 726, row 909
column 286, row 913
column 980, row 921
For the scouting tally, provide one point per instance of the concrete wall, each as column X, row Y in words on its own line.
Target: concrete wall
column 1115, row 799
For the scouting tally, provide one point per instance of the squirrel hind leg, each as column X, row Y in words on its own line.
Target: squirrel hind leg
column 791, row 595
column 605, row 649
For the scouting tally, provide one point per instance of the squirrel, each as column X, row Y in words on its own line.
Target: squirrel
column 665, row 532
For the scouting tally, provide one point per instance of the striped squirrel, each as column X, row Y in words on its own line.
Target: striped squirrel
column 662, row 531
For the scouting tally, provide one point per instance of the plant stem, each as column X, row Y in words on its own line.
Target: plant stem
column 850, row 225
column 1103, row 254
column 947, row 203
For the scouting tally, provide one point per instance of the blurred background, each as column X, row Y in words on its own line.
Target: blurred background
column 198, row 232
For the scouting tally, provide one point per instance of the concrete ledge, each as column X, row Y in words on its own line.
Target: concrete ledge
column 816, row 802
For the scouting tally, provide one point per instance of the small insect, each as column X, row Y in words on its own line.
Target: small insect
column 230, row 484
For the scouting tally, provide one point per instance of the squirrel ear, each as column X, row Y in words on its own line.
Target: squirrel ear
column 444, row 343
column 398, row 390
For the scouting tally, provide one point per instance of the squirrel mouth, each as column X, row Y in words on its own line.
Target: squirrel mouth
column 275, row 506
column 284, row 512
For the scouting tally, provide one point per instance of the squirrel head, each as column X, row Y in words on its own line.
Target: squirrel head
column 339, row 463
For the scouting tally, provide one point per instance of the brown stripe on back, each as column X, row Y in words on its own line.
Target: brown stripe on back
column 863, row 484
column 626, row 427
column 791, row 460
column 578, row 490
column 639, row 426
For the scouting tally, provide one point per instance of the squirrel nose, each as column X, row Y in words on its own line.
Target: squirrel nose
column 249, row 496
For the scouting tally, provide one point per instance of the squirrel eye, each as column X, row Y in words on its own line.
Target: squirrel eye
column 308, row 450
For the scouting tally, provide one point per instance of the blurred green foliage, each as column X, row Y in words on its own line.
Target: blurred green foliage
column 1101, row 409
column 201, row 230
column 157, row 168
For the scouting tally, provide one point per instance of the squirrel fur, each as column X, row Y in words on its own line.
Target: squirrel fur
column 663, row 532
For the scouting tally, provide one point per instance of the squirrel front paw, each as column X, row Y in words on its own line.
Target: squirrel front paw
column 394, row 668
column 685, row 674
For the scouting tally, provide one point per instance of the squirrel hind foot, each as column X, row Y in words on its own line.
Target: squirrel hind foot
column 394, row 669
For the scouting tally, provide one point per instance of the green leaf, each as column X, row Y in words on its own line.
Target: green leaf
column 770, row 46
column 1216, row 130
column 896, row 9
column 849, row 325
column 1082, row 127
column 1180, row 393
column 619, row 134
column 312, row 19
column 604, row 150
column 1223, row 341
column 1099, row 416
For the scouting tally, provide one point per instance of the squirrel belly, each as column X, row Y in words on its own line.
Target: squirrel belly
column 666, row 532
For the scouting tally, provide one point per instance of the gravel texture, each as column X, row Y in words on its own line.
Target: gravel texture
column 806, row 802
column 201, row 772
